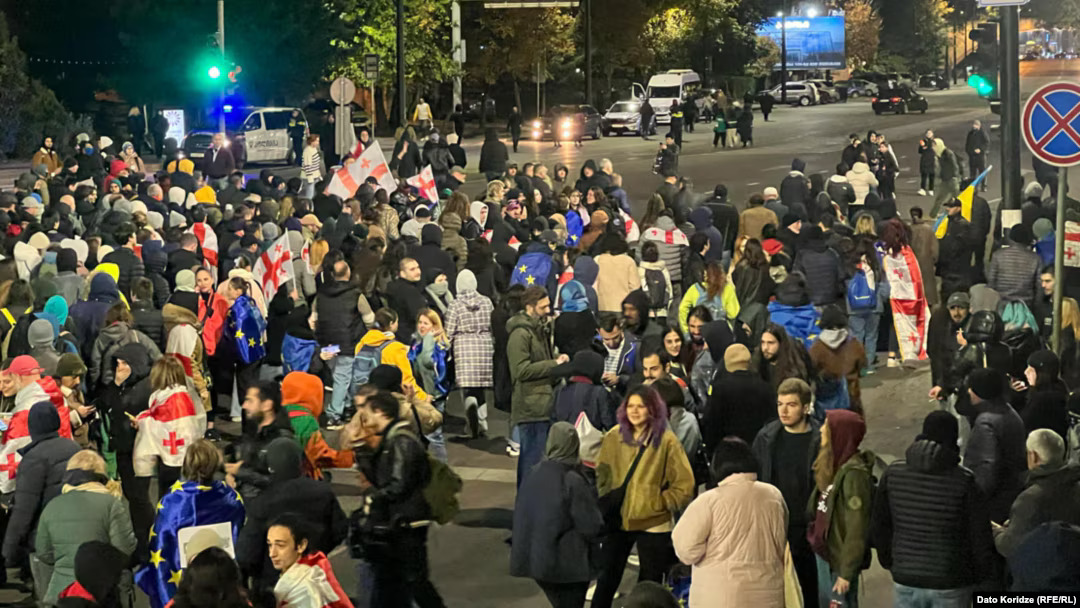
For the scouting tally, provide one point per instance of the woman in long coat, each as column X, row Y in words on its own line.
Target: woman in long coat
column 468, row 325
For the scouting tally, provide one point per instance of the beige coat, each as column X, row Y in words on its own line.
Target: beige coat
column 753, row 219
column 618, row 276
column 925, row 245
column 734, row 536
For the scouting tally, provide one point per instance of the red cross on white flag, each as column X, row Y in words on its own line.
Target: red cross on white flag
column 425, row 183
column 1072, row 244
column 371, row 163
column 274, row 267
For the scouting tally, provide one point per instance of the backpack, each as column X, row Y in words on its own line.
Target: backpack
column 862, row 289
column 443, row 487
column 532, row 269
column 716, row 308
column 656, row 289
column 830, row 394
column 17, row 340
column 367, row 359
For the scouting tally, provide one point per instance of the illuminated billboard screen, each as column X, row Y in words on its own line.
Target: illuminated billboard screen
column 812, row 42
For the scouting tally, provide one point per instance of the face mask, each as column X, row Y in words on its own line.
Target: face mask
column 439, row 289
column 833, row 338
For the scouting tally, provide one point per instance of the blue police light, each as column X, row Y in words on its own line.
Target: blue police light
column 227, row 108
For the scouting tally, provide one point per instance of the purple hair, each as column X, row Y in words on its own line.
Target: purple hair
column 656, row 423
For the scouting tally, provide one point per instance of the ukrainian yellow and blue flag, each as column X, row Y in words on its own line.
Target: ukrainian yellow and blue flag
column 967, row 200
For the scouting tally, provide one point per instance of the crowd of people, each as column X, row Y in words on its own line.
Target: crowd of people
column 683, row 386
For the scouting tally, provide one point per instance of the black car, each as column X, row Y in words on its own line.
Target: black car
column 933, row 81
column 899, row 101
column 568, row 123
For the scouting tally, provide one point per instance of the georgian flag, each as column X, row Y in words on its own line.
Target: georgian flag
column 671, row 237
column 1072, row 244
column 209, row 244
column 311, row 584
column 425, row 183
column 371, row 162
column 17, row 435
column 274, row 267
column 633, row 232
column 166, row 429
column 911, row 314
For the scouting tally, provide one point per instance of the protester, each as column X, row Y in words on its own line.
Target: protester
column 995, row 450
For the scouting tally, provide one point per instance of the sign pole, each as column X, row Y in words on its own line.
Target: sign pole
column 1059, row 259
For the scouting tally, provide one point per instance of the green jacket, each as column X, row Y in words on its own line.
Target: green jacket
column 849, row 522
column 530, row 357
column 81, row 514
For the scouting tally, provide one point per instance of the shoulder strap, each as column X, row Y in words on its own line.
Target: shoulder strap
column 633, row 466
column 8, row 316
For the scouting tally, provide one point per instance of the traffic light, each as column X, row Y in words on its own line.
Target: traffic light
column 985, row 60
column 213, row 72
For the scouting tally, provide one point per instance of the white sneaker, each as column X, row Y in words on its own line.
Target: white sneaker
column 922, row 192
column 634, row 561
column 930, row 192
column 892, row 362
column 513, row 452
column 590, row 591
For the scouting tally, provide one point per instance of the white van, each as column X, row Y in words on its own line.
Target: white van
column 669, row 87
column 261, row 137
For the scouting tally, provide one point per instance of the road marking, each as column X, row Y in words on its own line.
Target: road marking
column 754, row 184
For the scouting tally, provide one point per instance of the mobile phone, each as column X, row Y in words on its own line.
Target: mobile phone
column 333, row 349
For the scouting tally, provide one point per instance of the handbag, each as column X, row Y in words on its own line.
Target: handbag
column 590, row 438
column 612, row 502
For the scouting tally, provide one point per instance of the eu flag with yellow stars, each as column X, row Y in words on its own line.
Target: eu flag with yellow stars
column 247, row 327
column 187, row 504
column 575, row 227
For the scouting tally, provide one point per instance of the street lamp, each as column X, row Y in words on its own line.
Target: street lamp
column 783, row 52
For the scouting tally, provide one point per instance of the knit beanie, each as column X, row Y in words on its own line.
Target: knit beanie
column 987, row 383
column 941, row 427
column 70, row 364
column 66, row 260
column 42, row 419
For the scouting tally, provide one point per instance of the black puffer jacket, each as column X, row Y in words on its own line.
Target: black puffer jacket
column 822, row 269
column 930, row 526
column 996, row 455
column 398, row 471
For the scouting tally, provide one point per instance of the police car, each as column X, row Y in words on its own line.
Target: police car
column 255, row 135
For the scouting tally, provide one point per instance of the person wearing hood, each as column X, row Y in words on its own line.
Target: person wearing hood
column 557, row 522
column 468, row 326
column 839, row 532
column 995, row 449
column 575, row 326
column 89, row 509
column 43, row 463
column 433, row 259
column 617, row 274
column 117, row 329
column 302, row 399
column 477, row 222
column 89, row 315
column 493, row 155
column 725, row 217
column 452, row 240
column 795, row 187
column 838, row 357
column 949, row 173
column 42, row 338
column 929, row 523
column 453, row 145
column 67, row 279
column 636, row 317
column 1041, row 398
column 718, row 336
column 1051, row 492
column 289, row 491
column 821, row 267
column 703, row 221
column 591, row 177
column 406, row 159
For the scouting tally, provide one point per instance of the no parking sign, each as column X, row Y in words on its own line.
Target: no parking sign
column 1051, row 124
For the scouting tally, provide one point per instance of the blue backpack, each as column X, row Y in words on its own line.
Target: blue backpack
column 830, row 394
column 367, row 359
column 860, row 296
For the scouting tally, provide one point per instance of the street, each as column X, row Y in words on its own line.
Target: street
column 470, row 557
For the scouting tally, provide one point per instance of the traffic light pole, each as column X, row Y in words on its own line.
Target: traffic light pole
column 221, row 81
column 588, row 53
column 402, row 110
column 1011, row 178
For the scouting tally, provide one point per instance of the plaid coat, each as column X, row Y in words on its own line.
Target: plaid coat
column 468, row 325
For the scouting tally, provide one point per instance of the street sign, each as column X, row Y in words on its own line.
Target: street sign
column 342, row 90
column 1051, row 124
column 992, row 3
column 371, row 66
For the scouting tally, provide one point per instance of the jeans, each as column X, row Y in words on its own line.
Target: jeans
column 913, row 597
column 533, row 442
column 826, row 580
column 657, row 557
column 341, row 367
column 436, row 439
column 864, row 328
column 514, row 440
column 307, row 190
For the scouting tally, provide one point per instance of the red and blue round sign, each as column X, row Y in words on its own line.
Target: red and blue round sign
column 1051, row 124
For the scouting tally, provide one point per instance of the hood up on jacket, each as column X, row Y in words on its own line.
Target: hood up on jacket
column 41, row 334
column 639, row 301
column 137, row 358
column 846, row 432
column 431, row 234
column 574, row 297
column 718, row 337
column 103, row 288
column 589, row 164
column 284, row 459
column 860, row 167
column 701, row 218
column 305, row 390
column 928, row 456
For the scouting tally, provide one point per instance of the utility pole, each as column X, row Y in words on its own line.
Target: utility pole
column 221, row 81
column 459, row 51
column 783, row 52
column 588, row 52
column 1011, row 178
column 402, row 110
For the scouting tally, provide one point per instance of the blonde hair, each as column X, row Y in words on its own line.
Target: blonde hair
column 436, row 322
column 201, row 462
column 1070, row 316
column 89, row 460
column 864, row 224
column 167, row 371
column 287, row 208
column 319, row 249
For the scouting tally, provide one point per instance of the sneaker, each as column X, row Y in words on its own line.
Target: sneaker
column 922, row 192
column 237, row 419
column 634, row 561
column 893, row 362
column 513, row 452
column 930, row 192
column 333, row 423
column 212, row 434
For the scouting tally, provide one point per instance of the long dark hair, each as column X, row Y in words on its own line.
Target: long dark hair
column 790, row 362
column 864, row 249
column 894, row 236
column 753, row 255
column 211, row 580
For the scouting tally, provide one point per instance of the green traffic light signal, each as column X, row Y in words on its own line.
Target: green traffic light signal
column 214, row 72
column 981, row 85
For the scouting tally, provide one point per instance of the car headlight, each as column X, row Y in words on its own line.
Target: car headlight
column 567, row 123
column 536, row 124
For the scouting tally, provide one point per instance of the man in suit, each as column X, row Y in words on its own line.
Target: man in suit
column 218, row 163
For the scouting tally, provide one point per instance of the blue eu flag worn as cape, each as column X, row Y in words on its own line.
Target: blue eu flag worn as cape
column 574, row 228
column 187, row 504
column 296, row 353
column 247, row 327
column 532, row 269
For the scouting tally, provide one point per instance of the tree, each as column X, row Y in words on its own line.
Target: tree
column 28, row 109
column 863, row 33
column 915, row 30
column 370, row 28
column 768, row 55
column 550, row 39
column 1064, row 14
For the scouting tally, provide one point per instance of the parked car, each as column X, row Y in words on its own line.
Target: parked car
column 933, row 81
column 826, row 92
column 799, row 93
column 568, row 122
column 899, row 101
column 857, row 87
column 621, row 117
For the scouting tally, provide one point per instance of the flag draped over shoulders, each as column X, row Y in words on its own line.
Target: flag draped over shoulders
column 167, row 428
column 911, row 314
column 187, row 504
column 17, row 435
